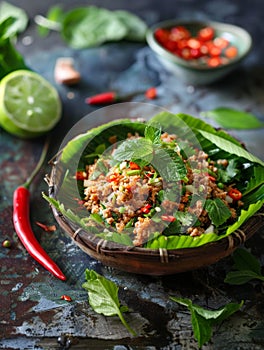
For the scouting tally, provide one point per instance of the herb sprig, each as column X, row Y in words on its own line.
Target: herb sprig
column 150, row 149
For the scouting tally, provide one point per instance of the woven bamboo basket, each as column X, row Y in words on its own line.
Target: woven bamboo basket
column 156, row 262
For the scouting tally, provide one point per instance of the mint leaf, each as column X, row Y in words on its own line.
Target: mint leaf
column 203, row 319
column 233, row 119
column 134, row 149
column 103, row 297
column 152, row 133
column 217, row 211
column 169, row 164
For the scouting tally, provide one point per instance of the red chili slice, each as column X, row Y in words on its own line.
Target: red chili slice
column 134, row 166
column 168, row 218
column 145, row 209
column 235, row 194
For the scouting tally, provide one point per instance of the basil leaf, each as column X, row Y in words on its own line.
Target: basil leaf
column 202, row 328
column 217, row 211
column 91, row 26
column 103, row 297
column 241, row 277
column 233, row 119
column 136, row 28
column 203, row 319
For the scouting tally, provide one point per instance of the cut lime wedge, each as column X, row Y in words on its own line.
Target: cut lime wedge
column 29, row 105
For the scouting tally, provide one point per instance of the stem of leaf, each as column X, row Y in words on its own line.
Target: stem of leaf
column 120, row 315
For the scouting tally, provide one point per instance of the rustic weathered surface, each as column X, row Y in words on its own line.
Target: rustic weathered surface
column 32, row 315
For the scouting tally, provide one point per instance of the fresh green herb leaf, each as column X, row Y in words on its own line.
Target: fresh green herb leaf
column 134, row 149
column 91, row 26
column 244, row 260
column 248, row 268
column 241, row 277
column 230, row 147
column 233, row 119
column 136, row 27
column 13, row 20
column 169, row 164
column 152, row 133
column 217, row 211
column 103, row 297
column 20, row 17
column 203, row 320
column 227, row 174
column 52, row 21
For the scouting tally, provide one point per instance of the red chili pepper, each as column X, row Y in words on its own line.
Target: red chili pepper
column 151, row 93
column 21, row 220
column 113, row 178
column 80, row 175
column 168, row 218
column 146, row 209
column 210, row 177
column 103, row 98
column 134, row 166
column 235, row 194
column 66, row 297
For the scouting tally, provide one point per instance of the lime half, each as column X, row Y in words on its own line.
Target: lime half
column 29, row 105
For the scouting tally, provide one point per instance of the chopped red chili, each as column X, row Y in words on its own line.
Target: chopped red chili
column 168, row 218
column 235, row 194
column 146, row 209
column 134, row 166
column 80, row 175
column 212, row 50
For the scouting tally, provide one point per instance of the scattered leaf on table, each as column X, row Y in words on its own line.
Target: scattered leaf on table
column 233, row 119
column 103, row 297
column 203, row 319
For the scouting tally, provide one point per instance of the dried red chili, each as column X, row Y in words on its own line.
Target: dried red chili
column 151, row 93
column 21, row 220
column 66, row 297
column 103, row 98
column 235, row 194
column 47, row 228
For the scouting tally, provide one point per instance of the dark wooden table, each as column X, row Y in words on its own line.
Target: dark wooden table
column 32, row 315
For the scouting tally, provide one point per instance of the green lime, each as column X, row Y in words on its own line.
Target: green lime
column 29, row 105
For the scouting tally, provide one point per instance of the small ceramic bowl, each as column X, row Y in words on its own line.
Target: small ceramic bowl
column 196, row 71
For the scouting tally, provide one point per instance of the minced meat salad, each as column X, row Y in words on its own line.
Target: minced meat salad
column 148, row 185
